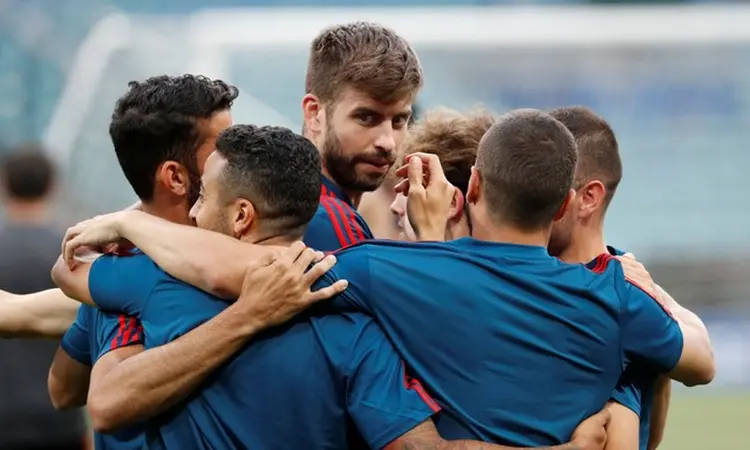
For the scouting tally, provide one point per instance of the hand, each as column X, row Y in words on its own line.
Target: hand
column 429, row 195
column 591, row 434
column 637, row 274
column 278, row 287
column 101, row 234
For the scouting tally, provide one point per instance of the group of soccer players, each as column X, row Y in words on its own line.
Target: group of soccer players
column 513, row 324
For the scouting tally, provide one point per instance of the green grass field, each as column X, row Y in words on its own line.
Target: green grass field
column 718, row 421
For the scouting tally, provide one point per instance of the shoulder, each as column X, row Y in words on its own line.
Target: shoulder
column 337, row 220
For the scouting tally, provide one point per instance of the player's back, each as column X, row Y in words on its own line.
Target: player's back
column 517, row 347
column 305, row 384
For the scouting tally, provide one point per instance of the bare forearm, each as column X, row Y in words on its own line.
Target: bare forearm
column 45, row 314
column 659, row 411
column 210, row 261
column 154, row 380
column 68, row 381
column 417, row 444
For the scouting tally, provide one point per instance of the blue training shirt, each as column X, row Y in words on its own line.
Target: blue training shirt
column 336, row 223
column 636, row 388
column 319, row 382
column 516, row 346
column 94, row 334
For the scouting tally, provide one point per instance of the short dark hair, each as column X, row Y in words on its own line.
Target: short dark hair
column 452, row 136
column 365, row 56
column 157, row 121
column 598, row 151
column 27, row 173
column 527, row 161
column 277, row 170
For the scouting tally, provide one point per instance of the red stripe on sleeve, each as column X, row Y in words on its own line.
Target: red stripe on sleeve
column 327, row 202
column 414, row 384
column 120, row 331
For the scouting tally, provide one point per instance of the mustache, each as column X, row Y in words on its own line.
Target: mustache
column 382, row 157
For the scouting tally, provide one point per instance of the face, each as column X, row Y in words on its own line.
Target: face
column 398, row 207
column 562, row 231
column 211, row 210
column 359, row 139
column 210, row 129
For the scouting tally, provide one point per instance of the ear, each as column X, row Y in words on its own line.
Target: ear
column 566, row 203
column 173, row 177
column 457, row 206
column 243, row 217
column 475, row 185
column 591, row 198
column 312, row 111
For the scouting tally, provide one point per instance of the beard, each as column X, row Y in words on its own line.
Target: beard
column 343, row 169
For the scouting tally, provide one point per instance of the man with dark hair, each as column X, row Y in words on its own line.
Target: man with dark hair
column 362, row 79
column 261, row 186
column 29, row 245
column 642, row 396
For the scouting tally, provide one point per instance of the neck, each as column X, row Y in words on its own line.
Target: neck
column 354, row 196
column 279, row 241
column 457, row 229
column 586, row 243
column 485, row 230
column 26, row 212
column 171, row 213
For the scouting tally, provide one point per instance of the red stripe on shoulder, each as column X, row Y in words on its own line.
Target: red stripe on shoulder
column 653, row 296
column 328, row 204
column 414, row 385
column 339, row 207
column 602, row 262
column 352, row 216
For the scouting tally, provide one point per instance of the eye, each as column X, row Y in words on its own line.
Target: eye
column 365, row 118
column 400, row 121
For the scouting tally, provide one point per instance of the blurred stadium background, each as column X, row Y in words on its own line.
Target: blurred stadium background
column 673, row 78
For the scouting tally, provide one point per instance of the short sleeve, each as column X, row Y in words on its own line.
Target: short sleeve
column 115, row 331
column 353, row 265
column 382, row 400
column 629, row 390
column 75, row 342
column 121, row 284
column 174, row 308
column 650, row 333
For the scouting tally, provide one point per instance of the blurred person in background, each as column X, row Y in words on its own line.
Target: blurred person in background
column 29, row 246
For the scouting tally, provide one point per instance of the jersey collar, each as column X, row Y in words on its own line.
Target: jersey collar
column 331, row 189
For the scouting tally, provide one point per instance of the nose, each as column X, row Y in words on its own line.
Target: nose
column 193, row 211
column 396, row 208
column 386, row 141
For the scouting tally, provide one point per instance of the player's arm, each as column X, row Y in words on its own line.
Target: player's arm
column 152, row 381
column 74, row 282
column 623, row 429
column 44, row 314
column 68, row 379
column 659, row 411
column 426, row 437
column 210, row 261
column 696, row 365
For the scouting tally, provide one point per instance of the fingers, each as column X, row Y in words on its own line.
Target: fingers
column 328, row 291
column 306, row 258
column 318, row 270
column 402, row 187
column 290, row 255
column 416, row 177
column 604, row 416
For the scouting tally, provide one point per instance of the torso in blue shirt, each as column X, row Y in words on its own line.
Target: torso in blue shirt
column 306, row 385
column 93, row 334
column 517, row 347
column 636, row 388
column 336, row 223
